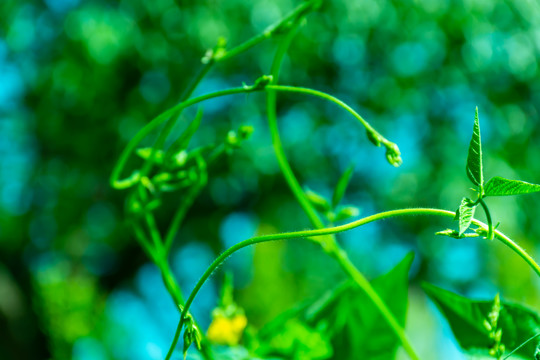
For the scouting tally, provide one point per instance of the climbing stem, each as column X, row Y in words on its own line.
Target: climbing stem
column 274, row 29
column 333, row 230
column 363, row 283
column 118, row 183
column 488, row 218
column 328, row 243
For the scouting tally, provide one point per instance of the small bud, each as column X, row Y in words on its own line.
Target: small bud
column 245, row 131
column 180, row 158
column 347, row 212
column 449, row 232
column 393, row 155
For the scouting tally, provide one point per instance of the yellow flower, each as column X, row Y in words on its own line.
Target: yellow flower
column 227, row 331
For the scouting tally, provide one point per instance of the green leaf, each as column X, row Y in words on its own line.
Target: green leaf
column 498, row 186
column 464, row 214
column 354, row 324
column 341, row 186
column 474, row 159
column 467, row 317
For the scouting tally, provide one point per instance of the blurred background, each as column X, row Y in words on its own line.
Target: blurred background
column 79, row 78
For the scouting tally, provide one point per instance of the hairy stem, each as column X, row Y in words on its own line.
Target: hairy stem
column 333, row 230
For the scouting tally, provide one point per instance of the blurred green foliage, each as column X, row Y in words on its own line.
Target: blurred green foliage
column 79, row 78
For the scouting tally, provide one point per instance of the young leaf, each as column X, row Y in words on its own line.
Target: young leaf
column 341, row 186
column 318, row 201
column 346, row 212
column 474, row 158
column 498, row 186
column 464, row 214
column 467, row 320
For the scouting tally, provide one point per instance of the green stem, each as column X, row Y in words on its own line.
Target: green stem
column 271, row 100
column 171, row 284
column 488, row 218
column 268, row 33
column 364, row 284
column 180, row 213
column 118, row 183
column 373, row 134
column 273, row 29
column 329, row 244
column 143, row 241
column 333, row 230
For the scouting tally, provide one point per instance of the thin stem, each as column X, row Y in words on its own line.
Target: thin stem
column 170, row 283
column 333, row 99
column 363, row 283
column 143, row 241
column 271, row 100
column 329, row 244
column 118, row 183
column 187, row 202
column 152, row 125
column 520, row 346
column 488, row 218
column 333, row 230
column 273, row 29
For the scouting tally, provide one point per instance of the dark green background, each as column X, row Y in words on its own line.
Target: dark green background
column 79, row 78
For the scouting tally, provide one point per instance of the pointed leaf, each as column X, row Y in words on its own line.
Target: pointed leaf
column 464, row 214
column 466, row 318
column 498, row 186
column 355, row 327
column 474, row 159
column 341, row 186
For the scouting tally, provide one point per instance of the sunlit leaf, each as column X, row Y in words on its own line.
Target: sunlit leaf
column 474, row 159
column 467, row 320
column 465, row 214
column 498, row 186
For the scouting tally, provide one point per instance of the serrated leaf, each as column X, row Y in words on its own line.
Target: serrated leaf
column 356, row 328
column 341, row 186
column 474, row 158
column 498, row 186
column 466, row 318
column 465, row 214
